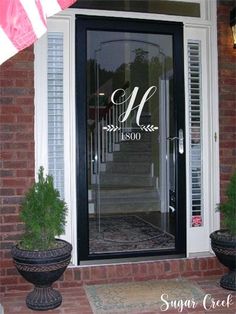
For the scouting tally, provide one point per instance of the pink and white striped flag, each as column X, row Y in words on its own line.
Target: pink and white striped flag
column 22, row 22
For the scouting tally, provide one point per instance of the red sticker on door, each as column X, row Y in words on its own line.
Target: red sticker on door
column 196, row 221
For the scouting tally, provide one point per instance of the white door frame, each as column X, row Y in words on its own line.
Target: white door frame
column 203, row 29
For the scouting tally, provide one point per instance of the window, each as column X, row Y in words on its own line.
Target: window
column 185, row 8
column 56, row 109
column 195, row 126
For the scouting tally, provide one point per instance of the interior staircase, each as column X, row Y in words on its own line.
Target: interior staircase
column 127, row 185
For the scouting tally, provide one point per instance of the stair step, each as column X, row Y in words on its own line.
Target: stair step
column 129, row 207
column 123, row 180
column 126, row 192
column 132, row 156
column 128, row 200
column 128, row 168
column 136, row 146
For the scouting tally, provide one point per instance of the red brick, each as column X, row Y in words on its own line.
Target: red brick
column 8, row 228
column 174, row 265
column 7, row 192
column 67, row 284
column 19, row 287
column 11, row 218
column 86, row 274
column 11, row 182
column 12, row 200
column 10, row 280
column 203, row 263
column 26, row 101
column 143, row 268
column 68, row 275
column 23, row 83
column 151, row 269
column 135, row 268
column 192, row 274
column 111, row 271
column 182, row 265
column 166, row 266
column 8, row 209
column 159, row 268
column 77, row 274
column 212, row 272
column 119, row 271
column 127, row 269
column 189, row 265
column 8, row 155
column 95, row 273
column 8, row 110
column 12, row 272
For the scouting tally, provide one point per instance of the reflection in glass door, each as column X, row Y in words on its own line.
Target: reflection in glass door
column 133, row 143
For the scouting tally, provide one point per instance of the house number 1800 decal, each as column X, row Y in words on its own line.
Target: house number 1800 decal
column 129, row 106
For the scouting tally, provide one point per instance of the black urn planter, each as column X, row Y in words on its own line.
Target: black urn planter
column 42, row 268
column 224, row 246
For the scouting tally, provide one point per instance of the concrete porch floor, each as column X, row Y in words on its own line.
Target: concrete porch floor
column 76, row 302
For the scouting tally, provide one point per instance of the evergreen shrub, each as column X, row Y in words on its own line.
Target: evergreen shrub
column 43, row 213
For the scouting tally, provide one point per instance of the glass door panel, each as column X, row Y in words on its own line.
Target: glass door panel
column 132, row 144
column 131, row 162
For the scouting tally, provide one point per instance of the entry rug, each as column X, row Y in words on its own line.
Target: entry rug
column 142, row 296
column 126, row 233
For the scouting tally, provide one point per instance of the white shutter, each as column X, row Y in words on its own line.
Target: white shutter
column 195, row 99
column 55, row 110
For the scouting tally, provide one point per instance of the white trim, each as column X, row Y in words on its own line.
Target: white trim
column 66, row 26
column 210, row 153
column 214, row 142
column 40, row 99
column 200, row 233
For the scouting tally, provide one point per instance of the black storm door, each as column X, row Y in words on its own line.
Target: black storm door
column 131, row 191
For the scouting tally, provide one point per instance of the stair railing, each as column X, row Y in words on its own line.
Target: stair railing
column 105, row 136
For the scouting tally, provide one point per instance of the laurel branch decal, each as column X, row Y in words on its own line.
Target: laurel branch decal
column 148, row 128
column 111, row 128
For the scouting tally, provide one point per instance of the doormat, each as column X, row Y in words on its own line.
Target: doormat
column 126, row 233
column 142, row 296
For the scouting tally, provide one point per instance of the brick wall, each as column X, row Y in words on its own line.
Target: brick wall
column 227, row 95
column 17, row 161
column 16, row 152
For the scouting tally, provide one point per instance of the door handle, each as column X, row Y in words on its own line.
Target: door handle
column 181, row 141
column 180, row 138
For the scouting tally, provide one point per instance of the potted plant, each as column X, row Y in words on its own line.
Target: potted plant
column 223, row 241
column 39, row 257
